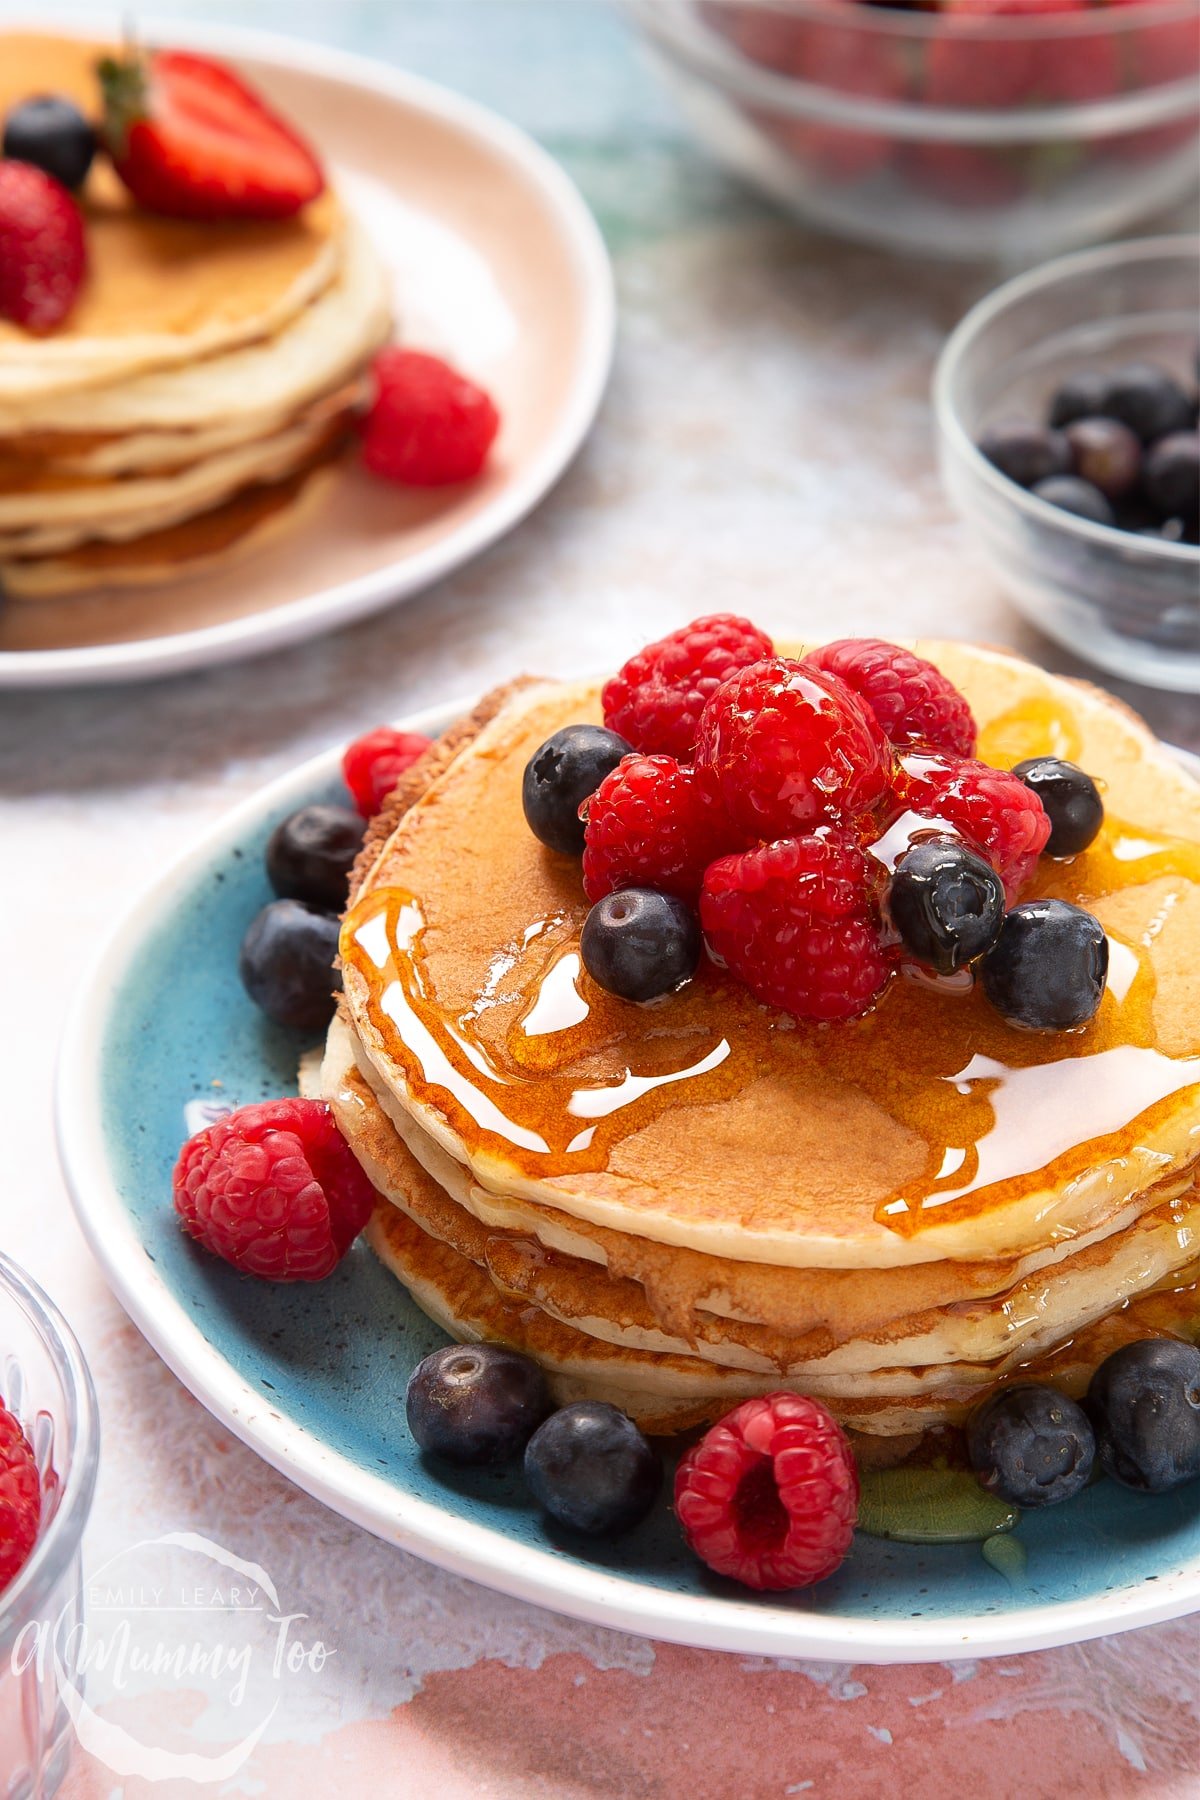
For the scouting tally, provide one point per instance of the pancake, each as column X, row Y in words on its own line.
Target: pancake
column 999, row 1332
column 669, row 1394
column 72, row 513
column 245, row 391
column 930, row 1131
column 159, row 291
column 824, row 1307
column 232, row 531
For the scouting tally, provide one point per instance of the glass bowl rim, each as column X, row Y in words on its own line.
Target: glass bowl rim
column 965, row 338
column 885, row 21
column 56, row 1544
column 708, row 57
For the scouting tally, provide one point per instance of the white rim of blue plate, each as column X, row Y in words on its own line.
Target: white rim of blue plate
column 310, row 615
column 487, row 1556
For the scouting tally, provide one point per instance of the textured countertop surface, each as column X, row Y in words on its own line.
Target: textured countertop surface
column 765, row 445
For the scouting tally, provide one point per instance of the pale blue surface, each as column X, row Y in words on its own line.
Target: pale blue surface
column 334, row 1358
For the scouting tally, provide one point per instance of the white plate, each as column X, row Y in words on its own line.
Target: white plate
column 497, row 263
column 163, row 1003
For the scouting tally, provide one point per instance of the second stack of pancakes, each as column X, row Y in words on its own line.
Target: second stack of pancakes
column 675, row 1205
column 207, row 372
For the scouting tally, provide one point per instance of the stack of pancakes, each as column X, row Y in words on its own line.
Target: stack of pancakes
column 678, row 1204
column 207, row 372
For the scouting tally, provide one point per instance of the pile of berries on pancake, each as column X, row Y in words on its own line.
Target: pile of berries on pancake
column 816, row 826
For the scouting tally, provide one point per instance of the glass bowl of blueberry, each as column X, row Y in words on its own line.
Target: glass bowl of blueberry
column 989, row 129
column 1066, row 406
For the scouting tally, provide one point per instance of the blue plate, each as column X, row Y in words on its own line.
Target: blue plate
column 314, row 1377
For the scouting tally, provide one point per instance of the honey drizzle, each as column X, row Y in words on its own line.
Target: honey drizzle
column 538, row 1068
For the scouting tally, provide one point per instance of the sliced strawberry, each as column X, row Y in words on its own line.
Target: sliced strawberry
column 190, row 139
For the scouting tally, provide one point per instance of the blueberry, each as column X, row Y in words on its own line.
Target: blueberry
column 1025, row 452
column 310, row 855
column 638, row 943
column 476, row 1403
column 1148, row 400
column 1145, row 1404
column 1071, row 801
column 1107, row 454
column 1172, row 475
column 560, row 776
column 53, row 135
column 1073, row 495
column 946, row 903
column 590, row 1468
column 1031, row 1446
column 1081, row 396
column 1047, row 969
column 286, row 964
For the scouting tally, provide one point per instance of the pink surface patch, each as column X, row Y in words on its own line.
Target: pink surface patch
column 1122, row 1717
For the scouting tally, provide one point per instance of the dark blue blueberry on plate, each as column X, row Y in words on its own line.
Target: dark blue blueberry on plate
column 559, row 777
column 1031, row 1446
column 638, row 943
column 310, row 855
column 947, row 903
column 591, row 1468
column 1025, row 452
column 1147, row 399
column 1048, row 967
column 51, row 133
column 476, row 1404
column 1070, row 799
column 1145, row 1402
column 1070, row 493
column 286, row 964
column 1106, row 453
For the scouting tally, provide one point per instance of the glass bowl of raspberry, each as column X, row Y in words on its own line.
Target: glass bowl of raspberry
column 979, row 129
column 49, row 1447
column 1121, row 593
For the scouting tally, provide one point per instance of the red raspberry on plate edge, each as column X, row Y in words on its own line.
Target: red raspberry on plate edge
column 769, row 1495
column 427, row 426
column 273, row 1189
column 43, row 255
column 797, row 922
column 788, row 746
column 374, row 763
column 991, row 808
column 651, row 823
column 911, row 698
column 20, row 1499
column 656, row 699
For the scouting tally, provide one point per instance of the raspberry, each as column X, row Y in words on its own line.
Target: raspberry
column 274, row 1189
column 912, row 700
column 769, row 1496
column 20, row 1499
column 787, row 746
column 797, row 922
column 656, row 700
column 43, row 255
column 650, row 823
column 373, row 764
column 428, row 425
column 993, row 809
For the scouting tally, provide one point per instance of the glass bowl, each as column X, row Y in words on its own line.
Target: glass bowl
column 1130, row 604
column 45, row 1383
column 950, row 136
